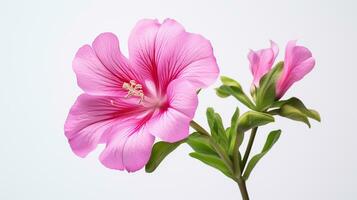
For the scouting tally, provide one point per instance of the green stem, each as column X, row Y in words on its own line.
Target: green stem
column 249, row 148
column 243, row 189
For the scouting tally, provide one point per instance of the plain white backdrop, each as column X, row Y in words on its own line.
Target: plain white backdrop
column 38, row 40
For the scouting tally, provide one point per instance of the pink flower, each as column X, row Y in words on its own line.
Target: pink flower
column 298, row 62
column 128, row 102
column 261, row 61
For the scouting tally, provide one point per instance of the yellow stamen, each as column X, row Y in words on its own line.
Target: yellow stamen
column 134, row 89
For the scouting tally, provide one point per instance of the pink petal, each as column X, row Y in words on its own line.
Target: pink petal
column 137, row 150
column 106, row 47
column 186, row 55
column 172, row 124
column 167, row 52
column 129, row 148
column 298, row 62
column 91, row 119
column 182, row 97
column 261, row 61
column 142, row 48
column 102, row 69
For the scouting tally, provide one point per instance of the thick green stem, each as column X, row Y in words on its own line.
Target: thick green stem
column 249, row 148
column 243, row 189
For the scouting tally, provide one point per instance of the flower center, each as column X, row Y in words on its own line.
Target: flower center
column 134, row 89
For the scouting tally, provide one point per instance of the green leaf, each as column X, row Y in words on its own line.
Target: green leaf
column 217, row 129
column 225, row 91
column 220, row 137
column 232, row 87
column 159, row 152
column 266, row 91
column 298, row 104
column 235, row 140
column 200, row 143
column 233, row 134
column 213, row 161
column 228, row 132
column 230, row 82
column 210, row 117
column 271, row 140
column 222, row 92
column 313, row 114
column 219, row 124
column 293, row 113
column 253, row 119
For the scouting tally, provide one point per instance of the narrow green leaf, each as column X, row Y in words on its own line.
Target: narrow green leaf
column 253, row 119
column 219, row 124
column 232, row 87
column 230, row 82
column 225, row 91
column 235, row 140
column 200, row 143
column 299, row 105
column 159, row 152
column 313, row 114
column 221, row 137
column 213, row 161
column 271, row 140
column 266, row 91
column 228, row 132
column 217, row 129
column 210, row 117
column 293, row 113
column 222, row 92
column 233, row 132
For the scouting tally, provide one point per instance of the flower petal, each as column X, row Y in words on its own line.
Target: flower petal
column 129, row 148
column 106, row 47
column 102, row 69
column 137, row 150
column 166, row 52
column 91, row 119
column 298, row 62
column 172, row 124
column 261, row 61
column 142, row 48
column 180, row 54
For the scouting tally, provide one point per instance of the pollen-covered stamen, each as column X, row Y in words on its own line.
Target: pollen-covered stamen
column 134, row 89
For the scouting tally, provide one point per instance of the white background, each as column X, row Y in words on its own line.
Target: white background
column 38, row 40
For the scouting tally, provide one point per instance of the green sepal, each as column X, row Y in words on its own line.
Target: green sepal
column 271, row 140
column 200, row 143
column 159, row 151
column 232, row 87
column 213, row 161
column 253, row 119
column 265, row 94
